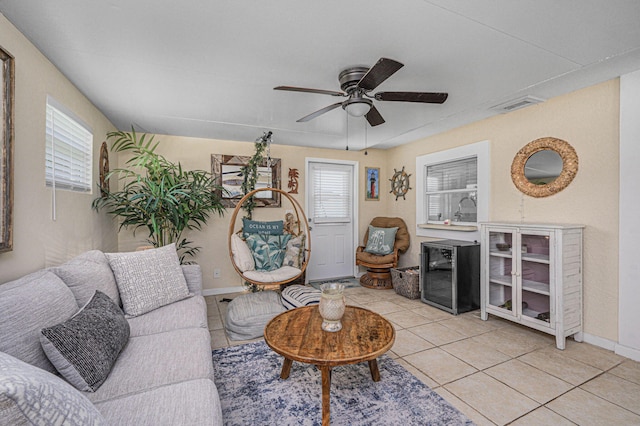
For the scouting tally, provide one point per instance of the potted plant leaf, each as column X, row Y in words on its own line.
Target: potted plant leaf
column 158, row 195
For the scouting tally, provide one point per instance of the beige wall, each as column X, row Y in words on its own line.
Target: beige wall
column 38, row 241
column 589, row 120
column 194, row 153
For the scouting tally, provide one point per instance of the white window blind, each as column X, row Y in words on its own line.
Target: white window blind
column 69, row 150
column 459, row 174
column 331, row 193
column 451, row 191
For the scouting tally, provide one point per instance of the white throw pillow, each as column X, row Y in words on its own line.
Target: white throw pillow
column 148, row 279
column 242, row 256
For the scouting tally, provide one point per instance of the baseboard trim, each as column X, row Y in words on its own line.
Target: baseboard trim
column 627, row 352
column 224, row 290
column 607, row 344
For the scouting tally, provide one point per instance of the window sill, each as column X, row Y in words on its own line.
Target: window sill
column 462, row 228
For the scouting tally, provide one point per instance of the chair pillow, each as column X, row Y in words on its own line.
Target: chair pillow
column 31, row 396
column 148, row 279
column 294, row 255
column 268, row 250
column 84, row 348
column 381, row 240
column 242, row 256
column 255, row 227
column 296, row 296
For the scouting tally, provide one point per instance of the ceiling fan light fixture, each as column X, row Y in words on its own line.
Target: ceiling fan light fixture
column 357, row 107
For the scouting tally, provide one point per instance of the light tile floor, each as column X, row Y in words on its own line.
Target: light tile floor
column 495, row 371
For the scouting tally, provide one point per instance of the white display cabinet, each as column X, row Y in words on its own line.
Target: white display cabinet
column 532, row 274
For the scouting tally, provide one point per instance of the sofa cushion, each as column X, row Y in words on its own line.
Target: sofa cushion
column 242, row 256
column 193, row 276
column 296, row 296
column 156, row 360
column 381, row 240
column 187, row 313
column 148, row 279
column 85, row 347
column 194, row 402
column 86, row 273
column 268, row 250
column 31, row 396
column 249, row 313
column 27, row 305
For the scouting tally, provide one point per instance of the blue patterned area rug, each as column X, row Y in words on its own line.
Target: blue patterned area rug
column 252, row 393
column 348, row 282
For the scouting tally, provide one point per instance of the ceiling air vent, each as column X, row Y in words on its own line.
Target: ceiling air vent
column 515, row 104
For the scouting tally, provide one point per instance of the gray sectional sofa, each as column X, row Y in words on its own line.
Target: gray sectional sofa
column 161, row 375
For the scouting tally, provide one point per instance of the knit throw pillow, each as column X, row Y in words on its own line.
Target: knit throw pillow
column 148, row 279
column 84, row 348
column 32, row 396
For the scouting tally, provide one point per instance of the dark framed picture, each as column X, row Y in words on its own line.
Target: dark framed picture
column 372, row 183
column 6, row 150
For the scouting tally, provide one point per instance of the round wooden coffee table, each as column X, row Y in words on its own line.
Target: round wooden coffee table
column 297, row 336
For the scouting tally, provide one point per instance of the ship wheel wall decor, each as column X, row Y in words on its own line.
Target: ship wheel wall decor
column 400, row 183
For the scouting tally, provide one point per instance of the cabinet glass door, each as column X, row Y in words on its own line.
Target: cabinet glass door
column 502, row 281
column 535, row 276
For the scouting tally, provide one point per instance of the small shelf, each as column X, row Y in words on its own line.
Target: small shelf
column 535, row 287
column 501, row 279
column 538, row 258
column 500, row 253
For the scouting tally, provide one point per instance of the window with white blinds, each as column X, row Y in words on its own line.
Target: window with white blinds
column 331, row 193
column 451, row 191
column 69, row 150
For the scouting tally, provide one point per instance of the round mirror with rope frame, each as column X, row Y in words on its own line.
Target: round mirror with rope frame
column 567, row 174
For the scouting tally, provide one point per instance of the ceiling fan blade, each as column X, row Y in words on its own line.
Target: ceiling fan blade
column 373, row 117
column 378, row 73
column 424, row 97
column 319, row 112
column 306, row 90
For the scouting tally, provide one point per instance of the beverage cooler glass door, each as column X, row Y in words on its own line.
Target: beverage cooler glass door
column 438, row 276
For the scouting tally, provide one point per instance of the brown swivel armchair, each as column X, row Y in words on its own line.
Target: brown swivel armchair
column 379, row 266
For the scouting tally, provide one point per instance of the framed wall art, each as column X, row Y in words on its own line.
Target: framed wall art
column 227, row 171
column 6, row 150
column 372, row 183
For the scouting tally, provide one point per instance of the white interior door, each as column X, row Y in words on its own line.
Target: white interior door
column 332, row 212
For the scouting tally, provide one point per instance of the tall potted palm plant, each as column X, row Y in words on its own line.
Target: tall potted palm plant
column 158, row 195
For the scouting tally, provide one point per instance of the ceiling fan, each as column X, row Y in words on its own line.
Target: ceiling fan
column 357, row 82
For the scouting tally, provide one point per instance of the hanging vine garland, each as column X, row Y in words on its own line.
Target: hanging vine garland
column 250, row 171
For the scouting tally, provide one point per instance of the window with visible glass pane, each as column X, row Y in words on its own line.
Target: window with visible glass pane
column 451, row 191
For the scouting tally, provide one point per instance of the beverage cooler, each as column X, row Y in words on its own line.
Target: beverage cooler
column 450, row 275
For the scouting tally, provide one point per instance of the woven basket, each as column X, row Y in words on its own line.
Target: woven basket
column 406, row 281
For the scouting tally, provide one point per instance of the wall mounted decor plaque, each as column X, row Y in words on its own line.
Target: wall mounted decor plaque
column 7, row 87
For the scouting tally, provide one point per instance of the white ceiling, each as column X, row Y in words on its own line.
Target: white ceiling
column 208, row 68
